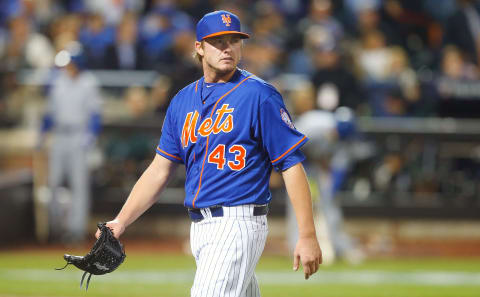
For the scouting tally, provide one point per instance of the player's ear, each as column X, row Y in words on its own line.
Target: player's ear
column 199, row 48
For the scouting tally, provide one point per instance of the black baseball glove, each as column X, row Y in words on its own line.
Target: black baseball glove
column 105, row 256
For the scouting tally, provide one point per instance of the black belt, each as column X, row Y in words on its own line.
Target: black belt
column 217, row 211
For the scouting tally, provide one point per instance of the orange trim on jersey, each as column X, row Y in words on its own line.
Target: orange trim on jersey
column 196, row 86
column 208, row 137
column 170, row 155
column 244, row 35
column 289, row 149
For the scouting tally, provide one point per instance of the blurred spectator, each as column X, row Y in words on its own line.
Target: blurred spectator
column 96, row 36
column 402, row 76
column 40, row 13
column 335, row 84
column 159, row 94
column 64, row 30
column 408, row 19
column 197, row 9
column 9, row 9
column 440, row 10
column 373, row 57
column 391, row 84
column 457, row 86
column 320, row 13
column 73, row 6
column 292, row 10
column 301, row 98
column 112, row 11
column 158, row 29
column 178, row 63
column 269, row 25
column 463, row 29
column 352, row 8
column 7, row 85
column 300, row 61
column 73, row 114
column 137, row 103
column 25, row 47
column 262, row 58
column 125, row 52
column 368, row 18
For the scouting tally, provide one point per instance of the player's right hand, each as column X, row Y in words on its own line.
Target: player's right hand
column 116, row 226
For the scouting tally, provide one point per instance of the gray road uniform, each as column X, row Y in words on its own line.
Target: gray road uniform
column 74, row 108
column 330, row 157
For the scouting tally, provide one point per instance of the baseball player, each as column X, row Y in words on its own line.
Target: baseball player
column 229, row 129
column 73, row 114
column 331, row 151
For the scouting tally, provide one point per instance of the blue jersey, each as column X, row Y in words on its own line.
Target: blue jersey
column 229, row 136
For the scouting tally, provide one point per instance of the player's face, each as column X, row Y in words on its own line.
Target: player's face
column 221, row 54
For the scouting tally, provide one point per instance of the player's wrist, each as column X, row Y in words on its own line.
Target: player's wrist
column 307, row 235
column 119, row 222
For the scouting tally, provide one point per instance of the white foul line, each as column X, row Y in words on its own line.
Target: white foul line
column 364, row 277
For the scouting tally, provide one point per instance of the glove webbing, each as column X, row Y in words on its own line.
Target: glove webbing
column 83, row 276
column 88, row 280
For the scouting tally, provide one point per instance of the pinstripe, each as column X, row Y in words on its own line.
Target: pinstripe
column 234, row 269
column 260, row 240
column 248, row 282
column 241, row 269
column 226, row 250
column 224, row 273
column 248, row 242
column 206, row 251
column 192, row 239
column 251, row 261
column 215, row 252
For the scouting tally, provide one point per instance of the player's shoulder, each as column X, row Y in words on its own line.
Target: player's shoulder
column 258, row 85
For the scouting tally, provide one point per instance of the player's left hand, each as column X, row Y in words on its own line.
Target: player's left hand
column 308, row 253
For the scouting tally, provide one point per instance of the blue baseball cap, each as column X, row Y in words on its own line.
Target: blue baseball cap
column 217, row 23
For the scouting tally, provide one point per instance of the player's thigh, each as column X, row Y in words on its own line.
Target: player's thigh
column 228, row 256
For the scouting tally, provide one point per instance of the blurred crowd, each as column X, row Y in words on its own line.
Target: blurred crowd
column 393, row 58
column 377, row 58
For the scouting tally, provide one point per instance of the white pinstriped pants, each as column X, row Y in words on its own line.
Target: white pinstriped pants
column 226, row 251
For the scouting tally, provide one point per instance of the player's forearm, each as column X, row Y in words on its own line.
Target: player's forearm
column 300, row 197
column 145, row 192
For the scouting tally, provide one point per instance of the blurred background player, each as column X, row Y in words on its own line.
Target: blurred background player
column 330, row 154
column 73, row 115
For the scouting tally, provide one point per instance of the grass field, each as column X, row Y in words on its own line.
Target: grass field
column 168, row 275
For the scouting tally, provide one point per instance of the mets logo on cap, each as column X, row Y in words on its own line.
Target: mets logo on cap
column 226, row 19
column 218, row 23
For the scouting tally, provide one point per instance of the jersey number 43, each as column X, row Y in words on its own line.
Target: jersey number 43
column 217, row 156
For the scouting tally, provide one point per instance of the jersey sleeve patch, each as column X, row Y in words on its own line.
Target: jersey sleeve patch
column 286, row 118
column 279, row 136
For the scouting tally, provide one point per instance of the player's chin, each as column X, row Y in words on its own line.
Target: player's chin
column 227, row 64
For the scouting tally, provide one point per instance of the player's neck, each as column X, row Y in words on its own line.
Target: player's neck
column 215, row 77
